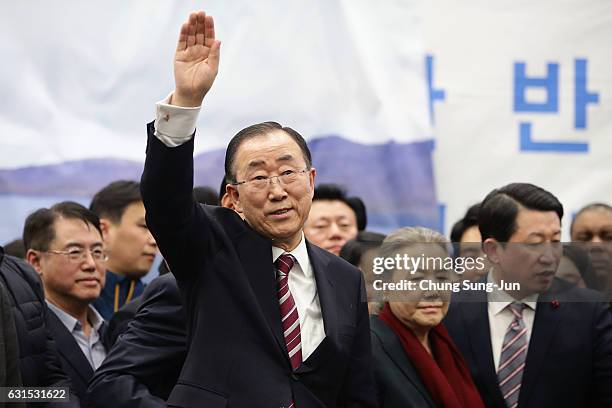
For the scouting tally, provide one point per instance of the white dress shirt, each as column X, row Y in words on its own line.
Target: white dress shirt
column 303, row 287
column 500, row 317
column 91, row 346
column 174, row 126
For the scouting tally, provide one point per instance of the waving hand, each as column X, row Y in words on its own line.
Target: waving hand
column 196, row 60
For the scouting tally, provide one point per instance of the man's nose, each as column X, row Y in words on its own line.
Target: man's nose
column 151, row 239
column 549, row 254
column 335, row 231
column 276, row 190
column 89, row 263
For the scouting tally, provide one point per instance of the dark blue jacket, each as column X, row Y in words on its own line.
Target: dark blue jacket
column 569, row 359
column 155, row 338
column 73, row 360
column 236, row 353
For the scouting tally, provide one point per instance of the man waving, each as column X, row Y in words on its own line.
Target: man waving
column 273, row 321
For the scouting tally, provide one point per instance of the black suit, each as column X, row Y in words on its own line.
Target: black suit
column 237, row 355
column 143, row 366
column 398, row 385
column 569, row 359
column 121, row 319
column 73, row 360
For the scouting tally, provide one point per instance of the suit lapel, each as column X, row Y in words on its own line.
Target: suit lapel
column 544, row 325
column 103, row 333
column 256, row 258
column 68, row 347
column 396, row 353
column 326, row 291
column 476, row 318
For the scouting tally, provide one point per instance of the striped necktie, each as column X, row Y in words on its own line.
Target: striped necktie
column 513, row 357
column 289, row 313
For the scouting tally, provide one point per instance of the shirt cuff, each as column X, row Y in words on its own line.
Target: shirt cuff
column 174, row 125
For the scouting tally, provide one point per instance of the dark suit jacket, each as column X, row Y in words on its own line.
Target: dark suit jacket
column 118, row 324
column 73, row 361
column 569, row 359
column 39, row 359
column 144, row 365
column 236, row 350
column 398, row 385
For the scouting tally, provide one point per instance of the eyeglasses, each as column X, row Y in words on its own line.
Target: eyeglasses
column 262, row 182
column 79, row 255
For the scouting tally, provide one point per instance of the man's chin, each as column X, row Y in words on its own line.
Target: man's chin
column 283, row 235
column 138, row 274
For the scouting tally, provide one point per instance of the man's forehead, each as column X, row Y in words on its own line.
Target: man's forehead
column 599, row 216
column 326, row 206
column 71, row 230
column 531, row 222
column 133, row 212
column 275, row 145
column 282, row 158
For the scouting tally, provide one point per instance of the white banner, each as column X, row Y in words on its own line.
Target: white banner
column 522, row 92
column 80, row 80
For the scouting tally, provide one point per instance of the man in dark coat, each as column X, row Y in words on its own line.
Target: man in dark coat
column 64, row 245
column 272, row 320
column 40, row 361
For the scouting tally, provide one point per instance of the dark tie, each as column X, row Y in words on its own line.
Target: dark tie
column 289, row 313
column 513, row 356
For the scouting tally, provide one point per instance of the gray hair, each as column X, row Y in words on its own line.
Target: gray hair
column 407, row 236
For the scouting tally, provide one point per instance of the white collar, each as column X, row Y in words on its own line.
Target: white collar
column 500, row 299
column 300, row 253
column 93, row 317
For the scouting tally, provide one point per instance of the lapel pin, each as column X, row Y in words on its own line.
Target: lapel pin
column 555, row 303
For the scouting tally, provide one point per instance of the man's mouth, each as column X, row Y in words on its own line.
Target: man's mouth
column 89, row 280
column 281, row 211
column 546, row 274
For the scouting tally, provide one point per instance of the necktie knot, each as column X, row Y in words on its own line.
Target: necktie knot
column 284, row 263
column 517, row 309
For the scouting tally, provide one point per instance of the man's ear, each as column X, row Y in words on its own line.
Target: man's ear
column 311, row 178
column 105, row 226
column 34, row 258
column 235, row 197
column 491, row 247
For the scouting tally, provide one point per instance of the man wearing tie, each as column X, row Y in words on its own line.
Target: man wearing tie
column 542, row 344
column 272, row 320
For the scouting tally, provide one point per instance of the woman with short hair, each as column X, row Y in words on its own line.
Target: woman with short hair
column 416, row 364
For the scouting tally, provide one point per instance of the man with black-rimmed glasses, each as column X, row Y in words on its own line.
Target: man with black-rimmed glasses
column 64, row 245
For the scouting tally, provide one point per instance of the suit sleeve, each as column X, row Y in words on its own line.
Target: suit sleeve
column 379, row 384
column 358, row 389
column 602, row 356
column 142, row 367
column 177, row 222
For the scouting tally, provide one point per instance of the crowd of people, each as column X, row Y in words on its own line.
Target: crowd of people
column 265, row 298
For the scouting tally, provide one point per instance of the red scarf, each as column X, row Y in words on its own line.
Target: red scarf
column 447, row 378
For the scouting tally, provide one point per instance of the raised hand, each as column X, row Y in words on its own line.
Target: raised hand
column 196, row 60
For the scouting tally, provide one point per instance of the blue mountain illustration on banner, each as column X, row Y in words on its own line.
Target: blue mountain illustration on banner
column 395, row 180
